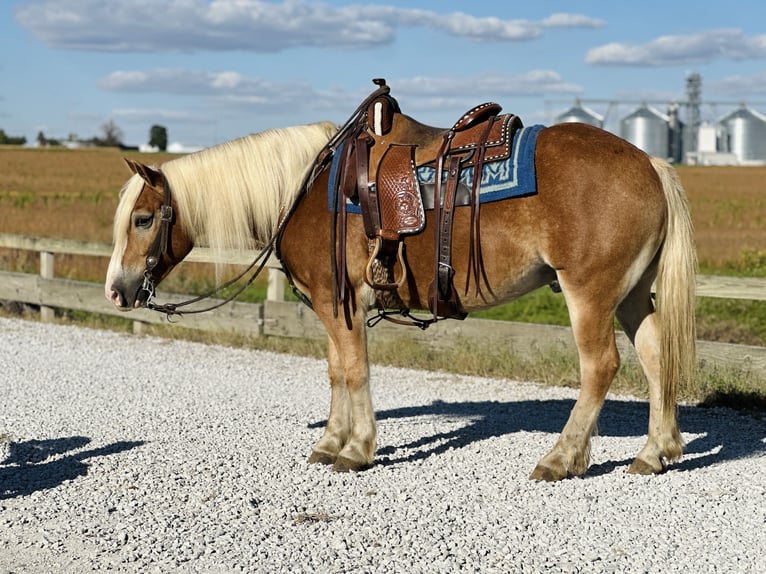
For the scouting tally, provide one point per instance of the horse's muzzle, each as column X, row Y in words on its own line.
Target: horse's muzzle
column 127, row 297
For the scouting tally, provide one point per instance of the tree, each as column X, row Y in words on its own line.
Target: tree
column 112, row 134
column 5, row 139
column 158, row 137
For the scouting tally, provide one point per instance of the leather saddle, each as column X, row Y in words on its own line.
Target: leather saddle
column 382, row 152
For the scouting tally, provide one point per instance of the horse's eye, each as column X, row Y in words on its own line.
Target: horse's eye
column 143, row 221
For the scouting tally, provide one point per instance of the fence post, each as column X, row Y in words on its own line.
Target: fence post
column 46, row 272
column 276, row 286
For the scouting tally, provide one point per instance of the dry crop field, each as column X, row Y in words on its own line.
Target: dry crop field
column 72, row 194
column 69, row 194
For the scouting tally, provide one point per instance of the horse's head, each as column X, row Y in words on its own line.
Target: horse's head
column 148, row 238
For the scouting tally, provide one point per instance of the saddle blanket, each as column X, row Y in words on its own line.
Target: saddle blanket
column 513, row 177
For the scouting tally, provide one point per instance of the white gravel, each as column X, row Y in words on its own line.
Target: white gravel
column 134, row 454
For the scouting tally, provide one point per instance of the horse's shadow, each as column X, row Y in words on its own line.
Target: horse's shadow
column 26, row 469
column 723, row 434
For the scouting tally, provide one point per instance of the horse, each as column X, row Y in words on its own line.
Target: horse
column 608, row 222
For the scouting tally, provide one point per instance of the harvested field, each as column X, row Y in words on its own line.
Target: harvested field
column 73, row 193
column 729, row 213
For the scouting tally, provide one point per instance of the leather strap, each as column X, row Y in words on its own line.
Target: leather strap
column 340, row 269
column 439, row 196
column 162, row 239
column 442, row 294
column 366, row 189
column 475, row 258
column 445, row 272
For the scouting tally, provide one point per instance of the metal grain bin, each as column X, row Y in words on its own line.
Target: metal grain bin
column 744, row 134
column 647, row 129
column 581, row 114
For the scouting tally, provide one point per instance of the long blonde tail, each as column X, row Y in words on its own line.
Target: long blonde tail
column 676, row 289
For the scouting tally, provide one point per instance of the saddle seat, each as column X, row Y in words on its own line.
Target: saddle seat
column 466, row 136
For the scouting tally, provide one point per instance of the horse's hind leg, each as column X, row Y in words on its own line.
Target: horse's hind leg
column 637, row 317
column 592, row 324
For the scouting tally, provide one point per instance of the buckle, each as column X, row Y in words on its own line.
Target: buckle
column 166, row 213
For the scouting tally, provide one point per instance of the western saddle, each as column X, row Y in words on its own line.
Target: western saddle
column 377, row 155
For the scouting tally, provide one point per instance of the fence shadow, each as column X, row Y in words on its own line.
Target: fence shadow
column 723, row 434
column 27, row 469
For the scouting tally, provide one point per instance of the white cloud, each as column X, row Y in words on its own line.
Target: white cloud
column 150, row 115
column 740, row 86
column 233, row 88
column 701, row 47
column 180, row 81
column 228, row 91
column 532, row 83
column 255, row 25
column 564, row 20
column 486, row 29
column 207, row 101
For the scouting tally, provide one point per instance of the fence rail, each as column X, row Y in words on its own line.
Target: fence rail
column 277, row 317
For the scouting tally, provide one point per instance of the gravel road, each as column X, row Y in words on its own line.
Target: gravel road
column 135, row 454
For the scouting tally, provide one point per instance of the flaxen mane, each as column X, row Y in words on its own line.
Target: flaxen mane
column 230, row 196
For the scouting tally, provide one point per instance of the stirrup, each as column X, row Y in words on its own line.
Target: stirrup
column 368, row 273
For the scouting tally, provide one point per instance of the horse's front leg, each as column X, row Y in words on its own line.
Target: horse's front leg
column 338, row 427
column 349, row 440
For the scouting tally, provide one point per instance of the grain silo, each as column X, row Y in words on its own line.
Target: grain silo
column 744, row 135
column 579, row 113
column 647, row 129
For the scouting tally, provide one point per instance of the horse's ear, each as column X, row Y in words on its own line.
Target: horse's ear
column 150, row 175
column 131, row 165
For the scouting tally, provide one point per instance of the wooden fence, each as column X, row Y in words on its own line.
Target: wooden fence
column 277, row 317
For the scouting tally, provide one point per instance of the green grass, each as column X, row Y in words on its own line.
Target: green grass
column 541, row 306
column 751, row 263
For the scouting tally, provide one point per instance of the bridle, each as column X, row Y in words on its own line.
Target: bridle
column 159, row 249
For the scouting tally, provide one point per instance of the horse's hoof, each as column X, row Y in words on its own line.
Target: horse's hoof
column 640, row 466
column 321, row 458
column 548, row 474
column 343, row 464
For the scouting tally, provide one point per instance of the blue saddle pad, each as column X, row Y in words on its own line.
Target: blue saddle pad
column 513, row 177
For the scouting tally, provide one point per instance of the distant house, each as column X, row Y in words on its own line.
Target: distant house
column 76, row 144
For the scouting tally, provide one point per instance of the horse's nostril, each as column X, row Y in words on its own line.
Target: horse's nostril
column 117, row 299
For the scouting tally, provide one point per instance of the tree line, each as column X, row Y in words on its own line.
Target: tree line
column 111, row 136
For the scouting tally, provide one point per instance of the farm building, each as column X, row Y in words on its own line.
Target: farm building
column 737, row 138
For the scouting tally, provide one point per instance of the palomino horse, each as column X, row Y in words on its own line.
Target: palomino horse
column 606, row 221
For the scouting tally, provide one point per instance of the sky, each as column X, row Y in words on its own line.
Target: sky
column 214, row 70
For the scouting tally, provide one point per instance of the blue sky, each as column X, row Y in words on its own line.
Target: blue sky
column 214, row 70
